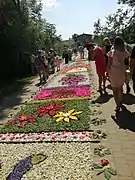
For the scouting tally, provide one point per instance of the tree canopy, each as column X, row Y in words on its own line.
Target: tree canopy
column 22, row 32
column 122, row 23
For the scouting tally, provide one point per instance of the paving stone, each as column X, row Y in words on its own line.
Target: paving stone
column 120, row 161
column 123, row 170
column 125, row 178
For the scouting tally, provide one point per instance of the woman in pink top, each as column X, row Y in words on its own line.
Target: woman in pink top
column 116, row 69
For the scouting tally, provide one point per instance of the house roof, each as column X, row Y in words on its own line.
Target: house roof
column 85, row 35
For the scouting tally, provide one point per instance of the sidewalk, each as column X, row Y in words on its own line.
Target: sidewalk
column 11, row 104
column 121, row 134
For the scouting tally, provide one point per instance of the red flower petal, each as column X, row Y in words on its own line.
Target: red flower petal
column 51, row 113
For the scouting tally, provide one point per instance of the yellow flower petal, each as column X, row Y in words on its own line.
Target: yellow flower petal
column 76, row 113
column 73, row 117
column 60, row 114
column 71, row 111
column 59, row 119
column 66, row 119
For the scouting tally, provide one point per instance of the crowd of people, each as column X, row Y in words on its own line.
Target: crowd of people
column 45, row 63
column 115, row 63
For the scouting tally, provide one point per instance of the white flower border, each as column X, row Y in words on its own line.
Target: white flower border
column 64, row 136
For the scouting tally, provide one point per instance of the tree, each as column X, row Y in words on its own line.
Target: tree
column 74, row 37
column 120, row 23
column 22, row 32
column 98, row 28
column 98, row 32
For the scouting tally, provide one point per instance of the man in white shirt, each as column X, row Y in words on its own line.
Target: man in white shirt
column 43, row 52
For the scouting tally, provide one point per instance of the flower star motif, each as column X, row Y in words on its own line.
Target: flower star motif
column 22, row 120
column 70, row 115
column 23, row 117
column 50, row 109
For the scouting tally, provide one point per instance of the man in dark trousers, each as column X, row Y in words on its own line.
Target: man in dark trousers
column 132, row 64
column 65, row 56
column 88, row 48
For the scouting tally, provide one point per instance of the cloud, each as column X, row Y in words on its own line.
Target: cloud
column 50, row 4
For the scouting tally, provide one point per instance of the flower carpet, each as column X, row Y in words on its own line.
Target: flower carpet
column 82, row 91
column 58, row 112
column 70, row 79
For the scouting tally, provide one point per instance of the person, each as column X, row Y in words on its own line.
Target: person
column 43, row 52
column 132, row 67
column 88, row 49
column 32, row 63
column 70, row 54
column 65, row 56
column 106, row 47
column 81, row 51
column 97, row 55
column 116, row 69
column 52, row 60
column 127, row 64
column 40, row 66
column 57, row 62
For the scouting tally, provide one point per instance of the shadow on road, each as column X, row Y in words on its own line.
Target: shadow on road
column 103, row 99
column 125, row 119
column 128, row 99
column 11, row 94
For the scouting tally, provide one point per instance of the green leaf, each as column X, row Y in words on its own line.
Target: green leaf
column 112, row 171
column 38, row 158
column 95, row 136
column 107, row 152
column 107, row 174
column 100, row 173
column 97, row 166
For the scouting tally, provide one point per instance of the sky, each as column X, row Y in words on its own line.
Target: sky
column 76, row 16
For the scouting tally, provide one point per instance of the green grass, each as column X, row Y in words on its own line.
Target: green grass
column 46, row 123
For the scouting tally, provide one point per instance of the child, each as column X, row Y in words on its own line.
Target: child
column 116, row 69
column 99, row 58
column 57, row 62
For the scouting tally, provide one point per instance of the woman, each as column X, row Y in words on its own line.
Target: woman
column 97, row 55
column 116, row 69
column 40, row 66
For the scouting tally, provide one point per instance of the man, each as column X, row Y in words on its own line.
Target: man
column 81, row 51
column 132, row 64
column 32, row 63
column 43, row 52
column 52, row 60
column 88, row 49
column 65, row 56
column 70, row 54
